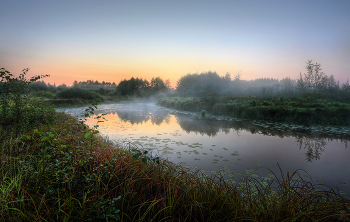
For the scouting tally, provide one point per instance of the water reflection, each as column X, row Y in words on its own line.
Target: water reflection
column 141, row 113
column 203, row 127
column 142, row 116
column 313, row 146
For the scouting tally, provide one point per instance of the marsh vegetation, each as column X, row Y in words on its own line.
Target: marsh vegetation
column 305, row 111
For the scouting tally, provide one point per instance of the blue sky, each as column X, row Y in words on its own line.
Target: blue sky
column 114, row 40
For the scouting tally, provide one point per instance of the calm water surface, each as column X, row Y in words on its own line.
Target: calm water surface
column 238, row 146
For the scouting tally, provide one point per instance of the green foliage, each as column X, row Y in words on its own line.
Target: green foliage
column 132, row 87
column 136, row 154
column 107, row 210
column 39, row 86
column 94, row 85
column 78, row 93
column 157, row 85
column 203, row 113
column 142, row 88
column 16, row 110
column 204, row 84
column 102, row 91
column 42, row 94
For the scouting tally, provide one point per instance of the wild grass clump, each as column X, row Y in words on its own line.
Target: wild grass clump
column 291, row 198
column 78, row 93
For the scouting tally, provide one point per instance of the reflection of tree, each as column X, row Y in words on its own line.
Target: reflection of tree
column 226, row 130
column 313, row 144
column 314, row 147
column 139, row 113
column 134, row 117
column 208, row 127
column 159, row 119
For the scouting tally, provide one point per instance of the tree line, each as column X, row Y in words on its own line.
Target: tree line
column 314, row 83
column 141, row 87
column 133, row 87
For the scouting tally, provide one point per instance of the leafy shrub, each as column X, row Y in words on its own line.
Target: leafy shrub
column 17, row 111
column 78, row 93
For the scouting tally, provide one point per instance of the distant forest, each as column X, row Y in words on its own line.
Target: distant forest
column 314, row 83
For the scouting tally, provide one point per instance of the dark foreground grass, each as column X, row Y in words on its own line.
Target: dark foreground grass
column 297, row 110
column 66, row 172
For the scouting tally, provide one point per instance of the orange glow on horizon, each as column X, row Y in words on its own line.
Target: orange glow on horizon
column 64, row 72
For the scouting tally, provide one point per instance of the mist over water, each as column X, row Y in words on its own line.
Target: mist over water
column 233, row 144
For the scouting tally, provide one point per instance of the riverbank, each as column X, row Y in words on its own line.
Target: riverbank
column 67, row 172
column 304, row 111
column 70, row 103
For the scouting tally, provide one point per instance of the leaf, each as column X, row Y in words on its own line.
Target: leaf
column 63, row 146
column 87, row 136
column 144, row 160
column 44, row 139
column 136, row 156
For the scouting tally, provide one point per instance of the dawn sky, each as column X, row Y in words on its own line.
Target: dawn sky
column 115, row 40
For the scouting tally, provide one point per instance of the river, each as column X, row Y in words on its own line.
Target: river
column 234, row 146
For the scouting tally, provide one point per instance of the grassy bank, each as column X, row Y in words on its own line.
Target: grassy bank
column 297, row 110
column 77, row 102
column 64, row 171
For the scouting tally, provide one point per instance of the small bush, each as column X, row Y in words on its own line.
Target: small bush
column 203, row 112
column 78, row 93
column 17, row 112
